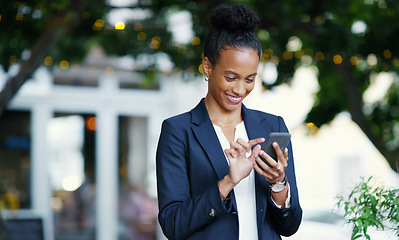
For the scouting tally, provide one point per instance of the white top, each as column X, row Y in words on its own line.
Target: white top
column 244, row 191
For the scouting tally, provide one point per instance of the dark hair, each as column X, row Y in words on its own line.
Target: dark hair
column 232, row 26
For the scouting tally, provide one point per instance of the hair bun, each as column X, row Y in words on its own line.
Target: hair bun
column 234, row 18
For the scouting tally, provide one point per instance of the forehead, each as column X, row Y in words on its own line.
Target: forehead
column 241, row 60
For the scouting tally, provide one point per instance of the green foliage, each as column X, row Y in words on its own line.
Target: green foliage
column 22, row 23
column 368, row 206
column 385, row 113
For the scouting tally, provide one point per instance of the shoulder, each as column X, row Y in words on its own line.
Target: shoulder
column 174, row 131
column 196, row 116
column 266, row 119
column 261, row 116
column 180, row 120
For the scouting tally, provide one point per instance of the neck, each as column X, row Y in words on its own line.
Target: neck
column 221, row 116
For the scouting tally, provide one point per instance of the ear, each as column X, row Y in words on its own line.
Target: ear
column 206, row 66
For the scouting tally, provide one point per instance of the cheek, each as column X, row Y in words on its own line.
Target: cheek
column 219, row 85
column 249, row 88
column 215, row 87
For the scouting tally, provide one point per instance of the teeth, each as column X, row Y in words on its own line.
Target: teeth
column 234, row 98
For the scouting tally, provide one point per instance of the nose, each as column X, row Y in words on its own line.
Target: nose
column 239, row 88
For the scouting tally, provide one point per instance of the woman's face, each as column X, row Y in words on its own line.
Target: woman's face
column 232, row 78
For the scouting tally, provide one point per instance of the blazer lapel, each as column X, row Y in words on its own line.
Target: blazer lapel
column 206, row 136
column 255, row 127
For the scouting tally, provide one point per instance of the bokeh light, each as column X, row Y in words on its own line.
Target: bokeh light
column 337, row 59
column 196, row 41
column 141, row 36
column 12, row 59
column 91, row 123
column 269, row 74
column 98, row 25
column 48, row 61
column 119, row 25
column 319, row 56
column 294, row 44
column 64, row 64
column 109, row 70
column 387, row 54
column 71, row 183
column 299, row 54
column 155, row 42
column 200, row 69
column 312, row 128
column 372, row 60
column 354, row 60
column 19, row 17
column 138, row 26
column 359, row 27
column 287, row 55
column 56, row 204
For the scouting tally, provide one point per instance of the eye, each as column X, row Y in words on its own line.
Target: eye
column 250, row 80
column 229, row 78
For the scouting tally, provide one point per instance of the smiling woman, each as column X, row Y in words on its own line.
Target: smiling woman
column 208, row 160
column 230, row 81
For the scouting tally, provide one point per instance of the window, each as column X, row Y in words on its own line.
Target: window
column 15, row 161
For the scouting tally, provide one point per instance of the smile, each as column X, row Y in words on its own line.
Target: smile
column 233, row 99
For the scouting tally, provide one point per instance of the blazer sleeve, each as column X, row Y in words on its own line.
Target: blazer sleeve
column 180, row 213
column 286, row 221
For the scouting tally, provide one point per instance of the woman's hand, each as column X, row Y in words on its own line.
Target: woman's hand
column 240, row 164
column 275, row 173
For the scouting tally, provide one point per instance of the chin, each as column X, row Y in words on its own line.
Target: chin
column 232, row 107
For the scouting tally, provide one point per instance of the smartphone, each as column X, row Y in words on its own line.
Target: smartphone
column 282, row 138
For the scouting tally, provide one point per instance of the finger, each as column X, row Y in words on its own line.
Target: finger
column 256, row 141
column 277, row 149
column 238, row 147
column 286, row 154
column 280, row 178
column 267, row 162
column 272, row 162
column 259, row 170
column 264, row 170
column 275, row 167
column 244, row 144
column 280, row 156
column 231, row 152
column 269, row 174
column 255, row 153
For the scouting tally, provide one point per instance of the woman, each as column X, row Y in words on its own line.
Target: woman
column 212, row 183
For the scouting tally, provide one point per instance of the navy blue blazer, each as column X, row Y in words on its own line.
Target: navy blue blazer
column 190, row 161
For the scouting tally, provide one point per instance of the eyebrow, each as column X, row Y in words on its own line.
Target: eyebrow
column 232, row 72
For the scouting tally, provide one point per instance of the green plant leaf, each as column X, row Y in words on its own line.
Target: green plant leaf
column 370, row 206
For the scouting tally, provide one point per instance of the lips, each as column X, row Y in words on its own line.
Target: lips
column 234, row 99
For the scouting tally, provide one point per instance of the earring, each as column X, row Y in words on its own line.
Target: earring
column 206, row 78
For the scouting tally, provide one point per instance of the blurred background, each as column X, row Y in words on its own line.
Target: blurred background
column 85, row 86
